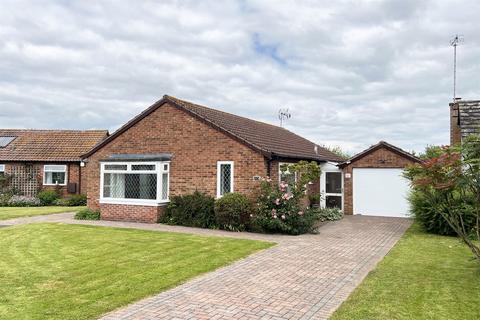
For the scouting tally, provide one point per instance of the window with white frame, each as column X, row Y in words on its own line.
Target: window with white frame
column 2, row 170
column 284, row 174
column 224, row 177
column 135, row 182
column 54, row 174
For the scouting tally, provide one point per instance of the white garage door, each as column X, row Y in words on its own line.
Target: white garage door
column 380, row 192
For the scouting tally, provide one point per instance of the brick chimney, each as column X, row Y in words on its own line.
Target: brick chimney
column 455, row 133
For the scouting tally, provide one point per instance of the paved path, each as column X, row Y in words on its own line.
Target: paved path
column 303, row 277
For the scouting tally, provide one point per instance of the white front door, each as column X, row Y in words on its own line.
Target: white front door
column 331, row 186
column 380, row 192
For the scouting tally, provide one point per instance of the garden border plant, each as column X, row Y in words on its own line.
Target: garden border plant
column 279, row 208
column 272, row 208
column 232, row 212
column 191, row 210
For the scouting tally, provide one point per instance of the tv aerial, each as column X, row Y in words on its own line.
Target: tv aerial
column 283, row 116
column 454, row 42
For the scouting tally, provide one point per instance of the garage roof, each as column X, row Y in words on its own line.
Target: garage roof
column 381, row 144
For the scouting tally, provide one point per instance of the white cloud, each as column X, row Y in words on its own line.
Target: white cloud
column 351, row 72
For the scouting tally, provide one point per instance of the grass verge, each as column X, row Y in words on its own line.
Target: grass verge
column 56, row 271
column 19, row 212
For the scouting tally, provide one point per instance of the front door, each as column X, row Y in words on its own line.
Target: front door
column 332, row 189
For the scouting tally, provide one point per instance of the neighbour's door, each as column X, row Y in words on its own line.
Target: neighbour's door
column 332, row 189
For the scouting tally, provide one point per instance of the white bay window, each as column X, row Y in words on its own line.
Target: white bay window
column 142, row 183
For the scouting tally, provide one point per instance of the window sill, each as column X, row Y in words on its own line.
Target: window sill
column 55, row 184
column 133, row 202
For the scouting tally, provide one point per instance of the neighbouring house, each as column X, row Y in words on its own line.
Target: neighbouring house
column 374, row 184
column 176, row 147
column 464, row 119
column 35, row 160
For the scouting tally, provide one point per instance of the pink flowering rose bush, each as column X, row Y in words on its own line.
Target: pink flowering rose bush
column 279, row 211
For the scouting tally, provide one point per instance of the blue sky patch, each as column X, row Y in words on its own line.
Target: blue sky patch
column 268, row 50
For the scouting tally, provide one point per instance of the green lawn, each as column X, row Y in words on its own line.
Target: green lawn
column 56, row 271
column 424, row 277
column 17, row 212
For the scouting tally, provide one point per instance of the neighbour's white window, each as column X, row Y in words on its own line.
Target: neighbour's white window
column 224, row 177
column 2, row 170
column 284, row 174
column 140, row 183
column 54, row 174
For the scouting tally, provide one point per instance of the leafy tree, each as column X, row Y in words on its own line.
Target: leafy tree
column 431, row 152
column 338, row 151
column 450, row 174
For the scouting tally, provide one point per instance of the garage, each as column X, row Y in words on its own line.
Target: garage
column 373, row 181
column 380, row 192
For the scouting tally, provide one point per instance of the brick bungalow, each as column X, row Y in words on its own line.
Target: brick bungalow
column 46, row 159
column 176, row 147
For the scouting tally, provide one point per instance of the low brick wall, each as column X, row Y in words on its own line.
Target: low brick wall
column 131, row 213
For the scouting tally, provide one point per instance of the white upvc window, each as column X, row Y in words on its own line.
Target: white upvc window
column 54, row 174
column 284, row 174
column 135, row 183
column 224, row 177
column 2, row 170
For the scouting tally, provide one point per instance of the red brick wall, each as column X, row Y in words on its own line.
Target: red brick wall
column 83, row 180
column 196, row 148
column 121, row 212
column 380, row 158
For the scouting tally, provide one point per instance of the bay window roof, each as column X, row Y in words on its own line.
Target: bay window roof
column 140, row 157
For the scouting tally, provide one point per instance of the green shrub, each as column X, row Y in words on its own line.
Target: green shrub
column 330, row 214
column 232, row 212
column 427, row 208
column 61, row 202
column 314, row 199
column 278, row 210
column 87, row 214
column 47, row 197
column 5, row 197
column 76, row 200
column 191, row 210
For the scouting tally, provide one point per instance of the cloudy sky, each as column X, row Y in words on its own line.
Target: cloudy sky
column 350, row 72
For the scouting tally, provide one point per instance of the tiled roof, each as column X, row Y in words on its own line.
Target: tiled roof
column 270, row 140
column 381, row 144
column 469, row 117
column 49, row 145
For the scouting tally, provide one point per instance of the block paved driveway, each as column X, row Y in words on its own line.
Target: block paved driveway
column 303, row 277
